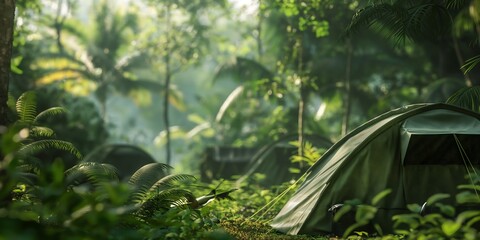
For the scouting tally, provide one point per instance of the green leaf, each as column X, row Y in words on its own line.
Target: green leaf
column 467, row 197
column 341, row 212
column 14, row 65
column 365, row 213
column 470, row 64
column 467, row 97
column 353, row 227
column 446, row 209
column 437, row 197
column 414, row 207
column 380, row 196
column 464, row 216
column 294, row 170
column 450, row 227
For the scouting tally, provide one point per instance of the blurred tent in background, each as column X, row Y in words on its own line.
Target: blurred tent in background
column 415, row 151
column 125, row 157
column 274, row 160
column 225, row 162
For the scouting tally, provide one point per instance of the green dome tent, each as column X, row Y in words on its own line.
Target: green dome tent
column 273, row 160
column 415, row 151
column 125, row 157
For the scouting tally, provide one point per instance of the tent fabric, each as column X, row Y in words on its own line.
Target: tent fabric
column 125, row 157
column 369, row 160
column 273, row 160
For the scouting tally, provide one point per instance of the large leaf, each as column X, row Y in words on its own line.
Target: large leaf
column 244, row 70
column 470, row 64
column 403, row 20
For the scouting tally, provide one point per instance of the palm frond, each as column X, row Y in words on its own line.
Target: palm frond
column 71, row 27
column 404, row 20
column 48, row 113
column 456, row 4
column 90, row 172
column 226, row 104
column 468, row 97
column 470, row 64
column 42, row 145
column 244, row 69
column 26, row 107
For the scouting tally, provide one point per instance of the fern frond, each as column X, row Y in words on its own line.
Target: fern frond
column 149, row 174
column 48, row 113
column 26, row 107
column 165, row 200
column 42, row 145
column 468, row 97
column 42, row 132
column 90, row 172
column 171, row 181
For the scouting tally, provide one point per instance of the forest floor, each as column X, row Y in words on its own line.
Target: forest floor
column 245, row 229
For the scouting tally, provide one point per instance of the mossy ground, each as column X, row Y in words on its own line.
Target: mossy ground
column 246, row 229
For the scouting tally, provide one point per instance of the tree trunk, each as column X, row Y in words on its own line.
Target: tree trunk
column 168, row 76
column 7, row 17
column 165, row 108
column 347, row 98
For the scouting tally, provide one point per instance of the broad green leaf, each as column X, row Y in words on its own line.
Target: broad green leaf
column 437, row 197
column 450, row 227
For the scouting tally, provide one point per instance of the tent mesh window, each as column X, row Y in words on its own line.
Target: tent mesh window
column 443, row 149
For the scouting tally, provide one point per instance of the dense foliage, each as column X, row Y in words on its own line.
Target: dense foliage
column 175, row 77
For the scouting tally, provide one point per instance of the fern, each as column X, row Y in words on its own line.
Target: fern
column 171, row 181
column 41, row 132
column 42, row 145
column 27, row 107
column 51, row 112
column 90, row 172
column 149, row 174
column 165, row 200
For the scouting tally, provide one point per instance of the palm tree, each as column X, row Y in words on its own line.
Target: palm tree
column 99, row 56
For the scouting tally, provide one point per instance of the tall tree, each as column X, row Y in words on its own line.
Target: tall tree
column 179, row 40
column 7, row 19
